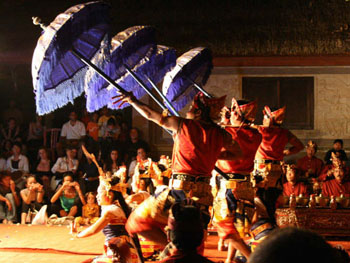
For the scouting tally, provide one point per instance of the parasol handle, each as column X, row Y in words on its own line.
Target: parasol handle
column 140, row 82
column 199, row 88
column 100, row 72
column 164, row 98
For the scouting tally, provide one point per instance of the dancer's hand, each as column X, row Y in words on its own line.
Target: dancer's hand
column 128, row 97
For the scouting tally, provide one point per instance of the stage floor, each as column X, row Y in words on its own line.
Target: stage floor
column 36, row 244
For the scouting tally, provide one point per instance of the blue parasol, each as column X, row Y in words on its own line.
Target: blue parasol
column 58, row 75
column 151, row 70
column 128, row 48
column 193, row 68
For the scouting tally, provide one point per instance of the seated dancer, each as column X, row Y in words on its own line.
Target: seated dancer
column 337, row 186
column 292, row 186
column 337, row 162
column 267, row 164
column 238, row 188
column 112, row 221
column 310, row 165
column 144, row 169
column 198, row 143
column 185, row 232
column 9, row 199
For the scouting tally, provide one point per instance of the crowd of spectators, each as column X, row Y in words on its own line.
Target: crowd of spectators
column 33, row 174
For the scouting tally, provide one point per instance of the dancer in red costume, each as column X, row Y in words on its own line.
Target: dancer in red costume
column 238, row 188
column 267, row 163
column 198, row 143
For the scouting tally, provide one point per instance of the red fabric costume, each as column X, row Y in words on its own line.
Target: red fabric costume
column 197, row 147
column 333, row 187
column 274, row 140
column 297, row 189
column 326, row 168
column 305, row 164
column 249, row 140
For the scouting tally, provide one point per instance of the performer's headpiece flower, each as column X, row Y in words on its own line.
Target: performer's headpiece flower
column 214, row 105
column 277, row 116
column 247, row 110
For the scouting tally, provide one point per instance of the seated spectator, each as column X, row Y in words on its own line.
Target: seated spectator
column 11, row 132
column 73, row 132
column 69, row 163
column 337, row 149
column 17, row 162
column 292, row 186
column 35, row 136
column 144, row 168
column 290, row 245
column 134, row 144
column 113, row 162
column 110, row 136
column 68, row 198
column 32, row 197
column 42, row 168
column 336, row 186
column 327, row 171
column 92, row 127
column 124, row 132
column 13, row 112
column 91, row 211
column 185, row 234
column 7, row 149
column 102, row 121
column 3, row 165
column 310, row 165
column 85, row 118
column 9, row 199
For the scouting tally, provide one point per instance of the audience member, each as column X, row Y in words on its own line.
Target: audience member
column 292, row 186
column 3, row 165
column 337, row 149
column 310, row 165
column 36, row 132
column 110, row 134
column 13, row 112
column 113, row 162
column 290, row 245
column 102, row 121
column 9, row 199
column 68, row 198
column 90, row 212
column 336, row 186
column 32, row 197
column 92, row 127
column 6, row 149
column 69, row 163
column 17, row 162
column 134, row 144
column 11, row 132
column 85, row 118
column 73, row 132
column 42, row 169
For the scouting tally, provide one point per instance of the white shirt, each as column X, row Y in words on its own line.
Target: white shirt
column 73, row 132
column 22, row 164
column 63, row 165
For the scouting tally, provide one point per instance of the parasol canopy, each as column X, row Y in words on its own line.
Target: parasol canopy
column 128, row 48
column 193, row 68
column 58, row 75
column 152, row 67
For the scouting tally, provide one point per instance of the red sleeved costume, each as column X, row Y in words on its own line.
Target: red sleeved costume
column 297, row 189
column 196, row 148
column 333, row 187
column 249, row 140
column 274, row 140
column 305, row 164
